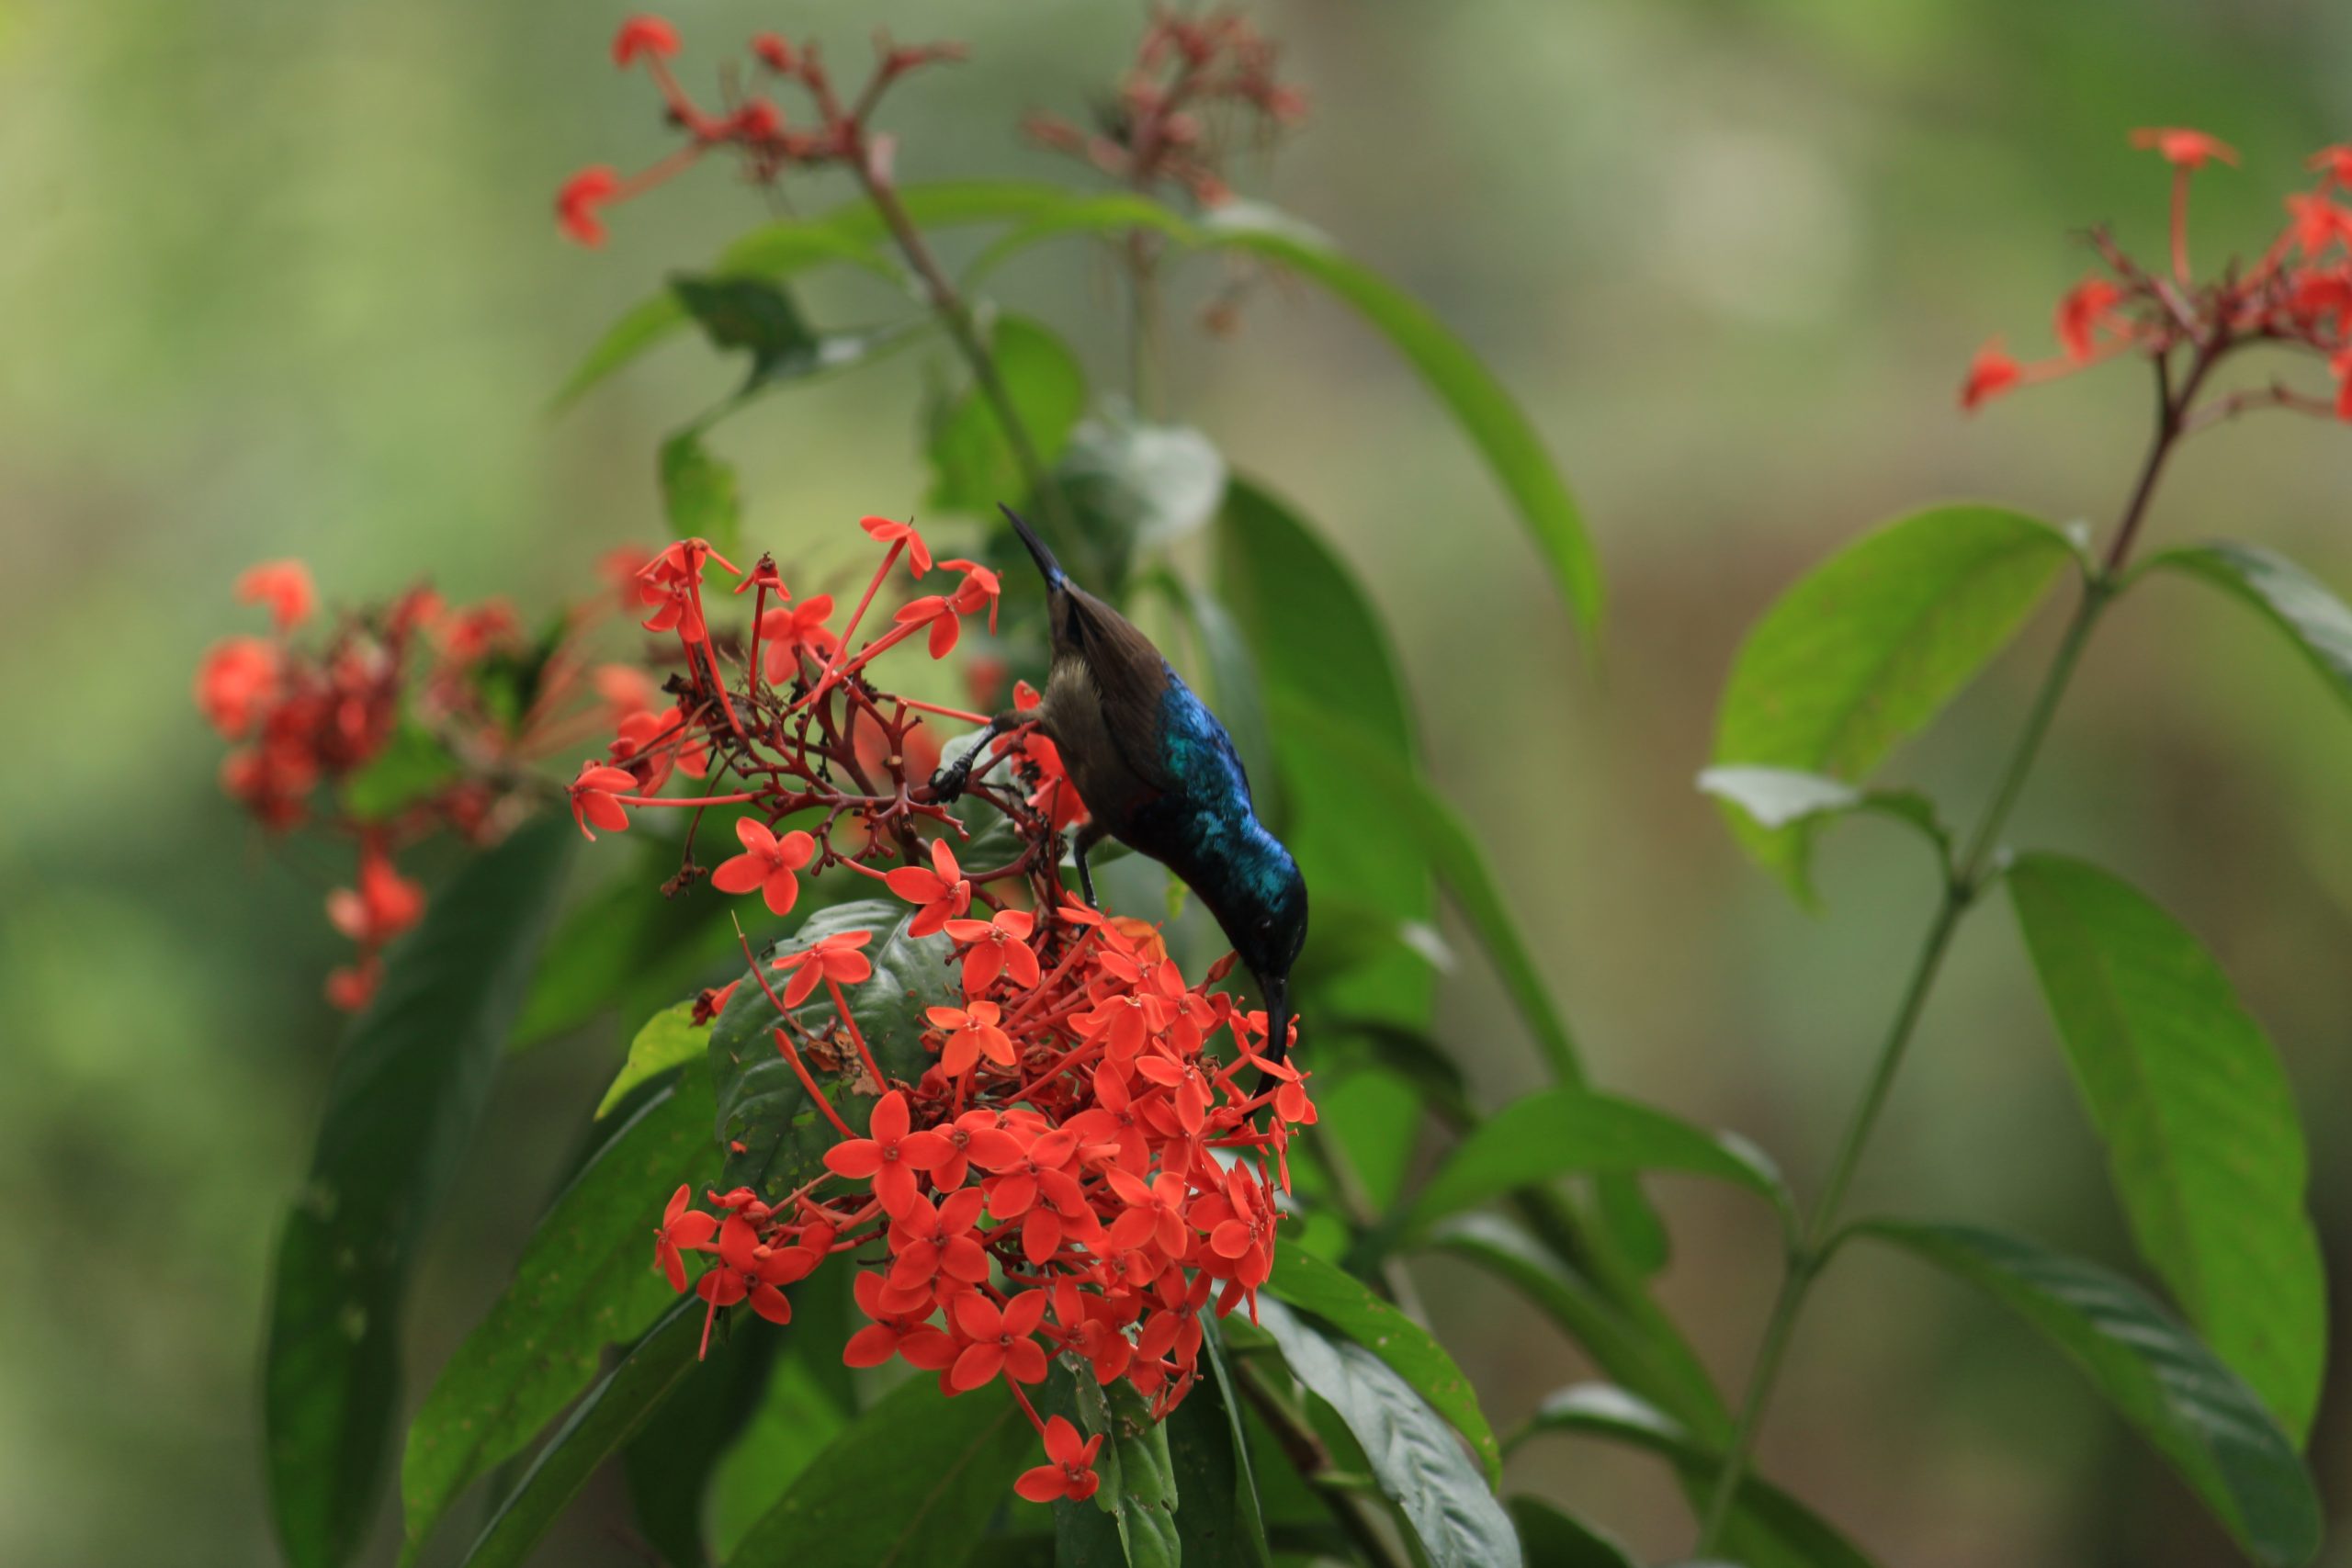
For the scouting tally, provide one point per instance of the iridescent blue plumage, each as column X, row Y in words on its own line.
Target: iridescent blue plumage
column 1158, row 772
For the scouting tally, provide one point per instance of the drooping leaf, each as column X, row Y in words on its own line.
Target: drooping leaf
column 2204, row 1142
column 1573, row 1130
column 669, row 1039
column 1130, row 1522
column 408, row 1091
column 2197, row 1412
column 1346, row 1303
column 973, row 463
column 761, row 1105
column 1775, row 798
column 1135, row 487
column 698, row 494
column 755, row 316
column 1766, row 1524
column 810, row 1399
column 909, row 1485
column 586, row 1281
column 607, row 1415
column 1418, row 1460
column 1219, row 1523
column 2317, row 622
column 1439, row 835
column 1869, row 647
column 1550, row 1538
column 668, row 1464
column 1653, row 1361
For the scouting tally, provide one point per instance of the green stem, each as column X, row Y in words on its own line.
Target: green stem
column 1967, row 882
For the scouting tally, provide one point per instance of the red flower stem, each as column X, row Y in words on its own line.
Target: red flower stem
column 719, row 678
column 736, row 799
column 832, row 666
column 849, row 1021
column 945, row 713
column 799, row 1068
column 759, row 613
column 2180, row 226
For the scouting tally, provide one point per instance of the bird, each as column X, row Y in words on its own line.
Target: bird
column 1157, row 771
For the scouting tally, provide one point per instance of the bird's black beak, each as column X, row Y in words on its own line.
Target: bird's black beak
column 1277, row 1018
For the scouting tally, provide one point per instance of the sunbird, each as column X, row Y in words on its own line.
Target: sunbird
column 1156, row 771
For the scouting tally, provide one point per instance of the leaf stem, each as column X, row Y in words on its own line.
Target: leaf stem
column 1976, row 870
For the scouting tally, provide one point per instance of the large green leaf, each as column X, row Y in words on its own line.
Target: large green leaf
column 1774, row 798
column 1550, row 1538
column 1416, row 1458
column 2314, row 619
column 909, row 1485
column 1869, row 647
column 809, row 1400
column 1436, row 832
column 408, row 1091
column 2204, row 1142
column 1767, row 1525
column 1135, row 487
column 1575, row 1130
column 1344, row 1302
column 1316, row 637
column 1131, row 1520
column 778, row 1139
column 1220, row 1523
column 670, row 1463
column 586, row 1281
column 973, row 465
column 2181, row 1397
column 698, row 493
column 605, row 1418
column 1653, row 1359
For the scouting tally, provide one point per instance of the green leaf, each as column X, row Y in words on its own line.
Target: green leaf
column 604, row 1420
column 1659, row 1366
column 1487, row 413
column 408, row 1091
column 1136, row 487
column 586, row 1281
column 698, row 494
column 1220, row 1523
column 1342, row 1301
column 2286, row 595
column 1550, row 1538
column 909, row 1485
column 1766, row 1524
column 1774, row 798
column 972, row 462
column 2203, row 1144
column 810, row 1400
column 1868, row 648
column 412, row 764
column 670, row 1463
column 669, row 1039
column 1437, row 833
column 762, row 1104
column 1131, row 1519
column 1563, row 1132
column 1416, row 1458
column 2181, row 1397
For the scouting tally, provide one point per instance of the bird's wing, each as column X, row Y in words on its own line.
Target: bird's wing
column 1132, row 681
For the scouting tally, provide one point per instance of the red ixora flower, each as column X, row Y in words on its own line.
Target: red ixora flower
column 943, row 891
column 997, row 1339
column 888, row 531
column 835, row 958
column 1070, row 1469
column 285, row 586
column 786, row 630
column 236, row 680
column 682, row 1230
column 384, row 904
column 2183, row 149
column 891, row 1155
column 593, row 802
column 648, row 36
column 973, row 1031
column 767, row 863
column 1990, row 374
column 583, row 193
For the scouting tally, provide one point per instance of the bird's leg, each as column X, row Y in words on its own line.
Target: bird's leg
column 1089, row 833
column 948, row 782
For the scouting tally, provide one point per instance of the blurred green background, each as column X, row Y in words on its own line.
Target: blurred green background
column 283, row 280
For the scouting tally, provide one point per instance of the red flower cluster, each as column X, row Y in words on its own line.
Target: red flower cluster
column 754, row 126
column 1074, row 1171
column 309, row 721
column 1162, row 125
column 2297, row 294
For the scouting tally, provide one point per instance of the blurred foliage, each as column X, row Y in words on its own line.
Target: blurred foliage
column 284, row 281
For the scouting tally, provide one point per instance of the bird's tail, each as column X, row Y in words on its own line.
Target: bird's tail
column 1046, row 564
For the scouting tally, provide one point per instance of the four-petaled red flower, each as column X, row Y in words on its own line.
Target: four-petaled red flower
column 776, row 53
column 683, row 1230
column 1070, row 1472
column 2186, row 149
column 1990, row 374
column 997, row 1339
column 974, row 1032
column 592, row 798
column 835, row 958
column 941, row 890
column 2081, row 312
column 887, row 531
column 384, row 904
column 583, row 193
column 997, row 946
column 285, row 586
column 767, row 863
column 896, row 1331
column 785, row 630
column 891, row 1155
column 237, row 679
